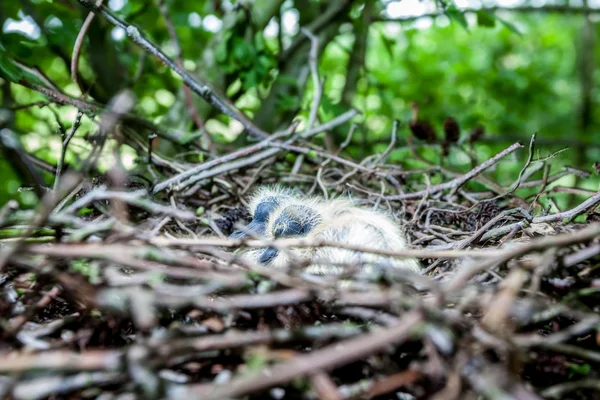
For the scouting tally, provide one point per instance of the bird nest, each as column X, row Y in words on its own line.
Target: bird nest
column 139, row 293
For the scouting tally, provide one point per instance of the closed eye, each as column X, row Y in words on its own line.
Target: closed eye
column 265, row 208
column 295, row 221
column 288, row 228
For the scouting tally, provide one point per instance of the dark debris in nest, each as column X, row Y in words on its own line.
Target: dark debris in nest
column 130, row 294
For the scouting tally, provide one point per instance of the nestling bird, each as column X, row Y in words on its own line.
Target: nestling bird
column 337, row 221
column 261, row 205
column 263, row 202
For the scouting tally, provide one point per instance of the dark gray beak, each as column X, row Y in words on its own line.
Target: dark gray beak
column 254, row 228
column 268, row 255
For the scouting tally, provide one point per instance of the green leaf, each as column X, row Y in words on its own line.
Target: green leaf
column 329, row 109
column 288, row 102
column 134, row 7
column 486, row 19
column 250, row 79
column 457, row 16
column 265, row 62
column 155, row 278
column 8, row 70
column 288, row 79
column 81, row 266
column 255, row 276
column 11, row 71
column 242, row 52
column 221, row 50
column 511, row 27
column 576, row 369
column 388, row 44
column 259, row 41
column 256, row 362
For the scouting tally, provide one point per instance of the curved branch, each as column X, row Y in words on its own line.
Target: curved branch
column 77, row 48
column 201, row 89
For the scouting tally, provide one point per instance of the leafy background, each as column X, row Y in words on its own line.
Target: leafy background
column 513, row 67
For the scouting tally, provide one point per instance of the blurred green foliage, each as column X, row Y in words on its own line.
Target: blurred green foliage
column 515, row 73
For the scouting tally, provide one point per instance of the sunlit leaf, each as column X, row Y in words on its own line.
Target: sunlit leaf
column 457, row 16
column 287, row 102
column 512, row 27
column 486, row 19
column 388, row 45
column 9, row 71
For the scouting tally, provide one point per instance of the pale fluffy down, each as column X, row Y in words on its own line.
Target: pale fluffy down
column 364, row 228
column 250, row 255
column 337, row 220
column 282, row 194
column 340, row 221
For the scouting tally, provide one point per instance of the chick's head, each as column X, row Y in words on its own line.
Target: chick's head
column 296, row 220
column 262, row 204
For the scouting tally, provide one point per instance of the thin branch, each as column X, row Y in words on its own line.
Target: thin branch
column 201, row 89
column 64, row 147
column 325, row 359
column 458, row 182
column 226, row 163
column 558, row 391
column 222, row 160
column 464, row 275
column 47, row 204
column 78, row 44
column 522, row 172
column 313, row 59
column 391, row 146
column 134, row 198
column 189, row 101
